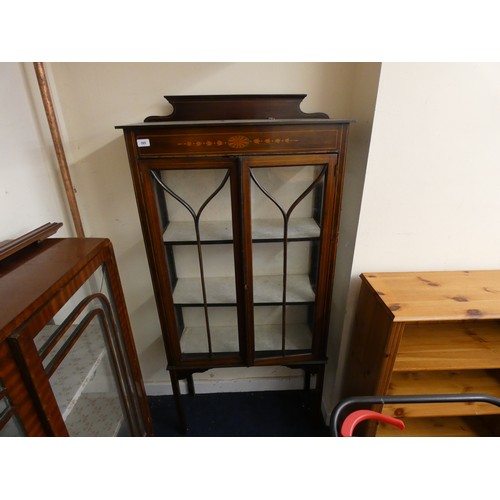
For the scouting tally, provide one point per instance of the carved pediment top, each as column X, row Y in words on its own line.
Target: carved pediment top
column 235, row 107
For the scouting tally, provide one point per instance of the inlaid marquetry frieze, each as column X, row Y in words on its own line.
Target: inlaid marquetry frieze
column 199, row 142
column 236, row 142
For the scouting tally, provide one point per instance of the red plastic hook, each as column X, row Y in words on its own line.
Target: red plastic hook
column 356, row 417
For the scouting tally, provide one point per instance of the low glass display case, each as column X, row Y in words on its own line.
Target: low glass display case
column 68, row 361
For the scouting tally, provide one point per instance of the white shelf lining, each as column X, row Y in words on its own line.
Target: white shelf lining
column 76, row 371
column 225, row 338
column 96, row 415
column 267, row 290
column 262, row 229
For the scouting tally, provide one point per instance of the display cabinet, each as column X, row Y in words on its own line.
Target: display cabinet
column 239, row 199
column 68, row 365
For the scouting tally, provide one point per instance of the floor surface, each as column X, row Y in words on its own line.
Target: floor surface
column 241, row 414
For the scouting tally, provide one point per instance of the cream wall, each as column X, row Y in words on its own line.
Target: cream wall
column 363, row 99
column 431, row 195
column 94, row 97
column 30, row 187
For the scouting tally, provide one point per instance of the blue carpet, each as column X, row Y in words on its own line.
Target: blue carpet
column 240, row 414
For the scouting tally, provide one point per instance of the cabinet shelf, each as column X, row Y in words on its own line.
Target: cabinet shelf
column 269, row 289
column 210, row 232
column 225, row 338
column 272, row 229
column 449, row 346
column 438, row 427
column 221, row 231
column 222, row 291
column 444, row 382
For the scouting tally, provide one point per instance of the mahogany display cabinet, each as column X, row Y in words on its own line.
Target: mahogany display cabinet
column 239, row 198
column 68, row 365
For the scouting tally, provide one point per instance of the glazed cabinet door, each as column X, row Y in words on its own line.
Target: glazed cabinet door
column 243, row 250
column 10, row 423
column 289, row 204
column 75, row 364
column 18, row 417
column 194, row 218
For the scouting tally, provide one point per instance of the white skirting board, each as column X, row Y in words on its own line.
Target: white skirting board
column 204, row 383
column 235, row 385
column 235, row 379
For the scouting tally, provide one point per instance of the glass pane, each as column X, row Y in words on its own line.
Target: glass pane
column 269, row 331
column 195, row 199
column 84, row 358
column 195, row 210
column 286, row 209
column 83, row 382
column 296, row 189
column 223, row 323
column 10, row 425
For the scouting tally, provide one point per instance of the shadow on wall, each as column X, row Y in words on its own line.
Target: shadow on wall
column 346, row 287
column 106, row 196
column 107, row 202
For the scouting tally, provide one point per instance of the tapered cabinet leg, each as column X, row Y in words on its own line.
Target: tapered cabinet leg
column 178, row 403
column 318, row 397
column 307, row 380
column 190, row 383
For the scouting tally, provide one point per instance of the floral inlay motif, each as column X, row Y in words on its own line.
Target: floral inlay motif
column 238, row 141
